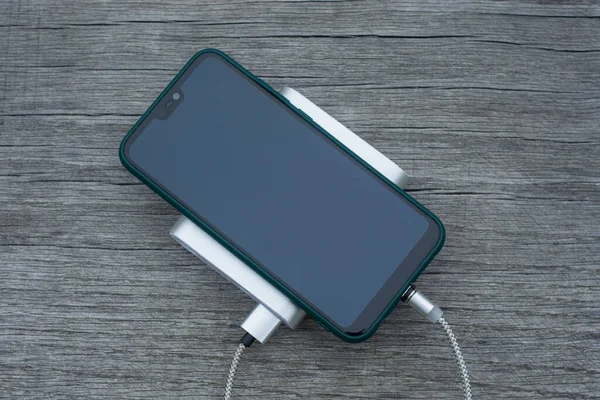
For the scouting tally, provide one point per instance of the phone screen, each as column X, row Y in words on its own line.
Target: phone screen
column 283, row 193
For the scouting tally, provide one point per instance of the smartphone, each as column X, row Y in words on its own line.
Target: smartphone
column 306, row 213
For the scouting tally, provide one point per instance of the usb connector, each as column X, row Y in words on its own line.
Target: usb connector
column 261, row 323
column 422, row 304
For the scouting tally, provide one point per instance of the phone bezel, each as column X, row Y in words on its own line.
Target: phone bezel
column 389, row 295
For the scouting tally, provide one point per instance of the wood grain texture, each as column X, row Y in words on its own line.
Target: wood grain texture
column 492, row 108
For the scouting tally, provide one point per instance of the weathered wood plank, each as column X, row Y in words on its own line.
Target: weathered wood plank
column 492, row 108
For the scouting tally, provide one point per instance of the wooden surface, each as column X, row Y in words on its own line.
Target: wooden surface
column 492, row 108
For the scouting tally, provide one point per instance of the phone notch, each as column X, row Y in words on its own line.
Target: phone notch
column 169, row 104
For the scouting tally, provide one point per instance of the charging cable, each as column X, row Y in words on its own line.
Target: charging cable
column 246, row 342
column 434, row 314
column 259, row 325
column 262, row 323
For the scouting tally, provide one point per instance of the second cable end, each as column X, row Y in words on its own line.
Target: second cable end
column 422, row 304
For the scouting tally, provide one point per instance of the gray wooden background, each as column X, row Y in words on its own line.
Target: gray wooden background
column 493, row 108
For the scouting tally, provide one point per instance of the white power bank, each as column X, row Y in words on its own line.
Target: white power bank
column 202, row 245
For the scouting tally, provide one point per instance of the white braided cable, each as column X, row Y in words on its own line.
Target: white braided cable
column 233, row 369
column 464, row 374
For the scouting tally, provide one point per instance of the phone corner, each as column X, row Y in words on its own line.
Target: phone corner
column 122, row 150
column 354, row 337
column 208, row 50
column 441, row 233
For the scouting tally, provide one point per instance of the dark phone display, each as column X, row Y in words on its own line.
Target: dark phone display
column 280, row 191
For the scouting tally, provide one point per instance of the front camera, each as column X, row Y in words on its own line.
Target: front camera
column 176, row 96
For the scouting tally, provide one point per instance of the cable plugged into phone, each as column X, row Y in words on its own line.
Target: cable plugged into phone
column 434, row 314
column 422, row 304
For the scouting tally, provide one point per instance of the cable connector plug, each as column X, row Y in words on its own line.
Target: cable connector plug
column 422, row 304
column 261, row 323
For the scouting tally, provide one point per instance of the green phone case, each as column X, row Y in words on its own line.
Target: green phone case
column 306, row 307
